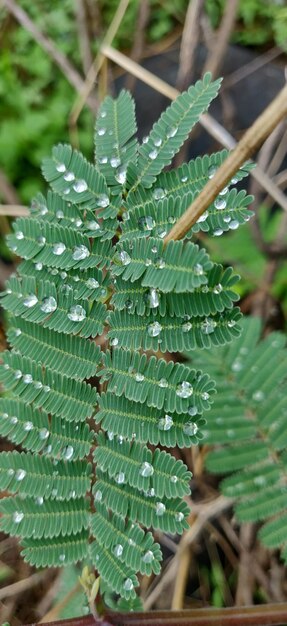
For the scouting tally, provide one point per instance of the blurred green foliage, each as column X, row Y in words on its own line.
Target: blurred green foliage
column 35, row 97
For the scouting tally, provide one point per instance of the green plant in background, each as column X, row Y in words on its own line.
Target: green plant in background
column 247, row 423
column 95, row 265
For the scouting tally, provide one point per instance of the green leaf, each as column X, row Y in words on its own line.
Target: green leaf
column 170, row 132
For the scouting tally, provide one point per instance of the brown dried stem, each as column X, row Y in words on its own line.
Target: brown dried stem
column 218, row 49
column 189, row 43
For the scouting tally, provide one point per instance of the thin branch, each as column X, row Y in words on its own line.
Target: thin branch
column 189, row 43
column 207, row 121
column 97, row 64
column 14, row 210
column 246, row 147
column 218, row 50
column 139, row 40
column 83, row 35
column 23, row 585
column 251, row 67
column 74, row 78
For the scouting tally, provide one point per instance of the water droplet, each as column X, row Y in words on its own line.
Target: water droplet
column 146, row 223
column 192, row 410
column 77, row 313
column 148, row 557
column 80, row 186
column 203, row 217
column 160, row 232
column 128, row 304
column 190, row 428
column 118, row 550
column 46, row 388
column 259, row 480
column 174, row 479
column 208, row 326
column 101, row 131
column 44, row 433
column 103, row 201
column 6, row 366
column 128, row 584
column 179, row 516
column 98, row 496
column 28, row 426
column 122, row 258
column 20, row 474
column 78, row 223
column 233, row 224
column 157, row 141
column 59, row 215
column 171, row 132
column 103, row 114
column 115, row 161
column 120, row 439
column 69, row 176
column 38, row 384
column 111, row 435
column 60, row 167
column 93, row 225
column 49, row 305
column 80, row 253
column 160, row 263
column 218, row 232
column 58, row 248
column 30, row 301
column 92, row 283
column 158, row 193
column 184, row 389
column 62, row 557
column 186, row 327
column 18, row 374
column 146, row 469
column 153, row 154
column 205, row 395
column 154, row 329
column 223, row 191
column 258, row 396
column 19, row 234
column 114, row 342
column 148, row 262
column 234, row 180
column 165, row 423
column 152, row 298
column 14, row 420
column 139, row 377
column 27, row 378
column 231, row 323
column 220, row 204
column 145, row 139
column 211, row 171
column 66, row 191
column 120, row 478
column 163, row 383
column 121, row 175
column 217, row 289
column 237, row 365
column 154, row 249
column 184, row 179
column 17, row 517
column 68, row 453
column 160, row 509
column 39, row 500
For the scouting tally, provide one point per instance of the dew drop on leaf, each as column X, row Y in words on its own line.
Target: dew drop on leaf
column 165, row 423
column 153, row 154
column 49, row 305
column 171, row 132
column 154, row 329
column 146, row 469
column 27, row 379
column 80, row 253
column 148, row 557
column 20, row 474
column 80, row 186
column 60, row 167
column 92, row 283
column 118, row 550
column 69, row 176
column 98, row 496
column 179, row 516
column 77, row 313
column 68, row 453
column 128, row 584
column 190, row 428
column 17, row 517
column 158, row 193
column 220, row 204
column 120, row 478
column 115, row 162
column 160, row 509
column 184, row 389
column 30, row 301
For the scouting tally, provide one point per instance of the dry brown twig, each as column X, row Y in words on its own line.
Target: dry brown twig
column 220, row 43
column 189, row 43
column 83, row 35
column 139, row 40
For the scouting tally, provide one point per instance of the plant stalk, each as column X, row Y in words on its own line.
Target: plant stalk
column 253, row 138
